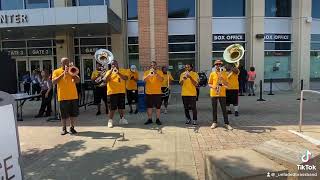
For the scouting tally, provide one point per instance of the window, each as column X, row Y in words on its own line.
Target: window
column 90, row 45
column 132, row 6
column 181, row 51
column 89, row 2
column 181, row 8
column 11, row 4
column 315, row 56
column 278, row 8
column 133, row 49
column 315, row 8
column 228, row 8
column 277, row 56
column 32, row 4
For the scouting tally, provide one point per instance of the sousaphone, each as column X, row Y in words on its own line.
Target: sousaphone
column 233, row 54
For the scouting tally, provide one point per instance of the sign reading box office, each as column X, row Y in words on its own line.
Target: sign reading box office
column 9, row 154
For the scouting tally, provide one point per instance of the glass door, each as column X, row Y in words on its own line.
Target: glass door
column 87, row 69
column 22, row 73
column 34, row 65
column 47, row 66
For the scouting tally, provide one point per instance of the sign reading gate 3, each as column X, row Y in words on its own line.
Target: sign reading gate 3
column 13, row 18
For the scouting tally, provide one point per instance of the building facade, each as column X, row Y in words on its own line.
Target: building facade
column 281, row 37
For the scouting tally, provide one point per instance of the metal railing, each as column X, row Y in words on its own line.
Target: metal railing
column 301, row 105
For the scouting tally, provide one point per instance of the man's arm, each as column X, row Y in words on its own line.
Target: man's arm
column 194, row 82
column 122, row 76
column 107, row 77
column 57, row 79
column 158, row 76
column 76, row 79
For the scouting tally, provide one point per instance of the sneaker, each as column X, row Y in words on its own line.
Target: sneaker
column 38, row 116
column 64, row 131
column 136, row 112
column 236, row 113
column 123, row 121
column 214, row 125
column 149, row 121
column 165, row 111
column 131, row 111
column 253, row 94
column 72, row 130
column 194, row 122
column 110, row 123
column 98, row 113
column 188, row 121
column 249, row 94
column 158, row 122
column 229, row 112
column 227, row 126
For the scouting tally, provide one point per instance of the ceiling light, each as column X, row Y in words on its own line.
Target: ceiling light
column 89, row 34
column 6, row 38
column 33, row 37
column 73, row 27
column 9, row 30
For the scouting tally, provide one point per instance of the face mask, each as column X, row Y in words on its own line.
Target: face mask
column 133, row 70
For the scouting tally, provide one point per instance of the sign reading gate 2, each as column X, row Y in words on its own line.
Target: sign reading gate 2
column 13, row 18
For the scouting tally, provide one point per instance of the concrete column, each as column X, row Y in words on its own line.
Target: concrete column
column 119, row 40
column 66, row 48
column 204, row 35
column 255, row 11
column 300, row 59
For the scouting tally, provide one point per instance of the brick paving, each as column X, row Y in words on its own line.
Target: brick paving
column 258, row 122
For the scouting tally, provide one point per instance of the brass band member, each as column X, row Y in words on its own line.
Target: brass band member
column 153, row 79
column 189, row 81
column 218, row 83
column 132, row 88
column 116, row 89
column 165, row 88
column 232, row 92
column 100, row 91
column 67, row 95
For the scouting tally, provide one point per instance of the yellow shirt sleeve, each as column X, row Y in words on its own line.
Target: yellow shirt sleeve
column 55, row 74
column 94, row 74
column 171, row 78
column 210, row 79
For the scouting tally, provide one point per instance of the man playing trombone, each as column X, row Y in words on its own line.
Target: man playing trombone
column 218, row 84
column 66, row 78
column 116, row 89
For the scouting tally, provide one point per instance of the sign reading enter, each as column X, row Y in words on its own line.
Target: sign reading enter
column 14, row 18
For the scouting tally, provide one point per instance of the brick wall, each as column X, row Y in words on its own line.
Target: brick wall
column 160, row 32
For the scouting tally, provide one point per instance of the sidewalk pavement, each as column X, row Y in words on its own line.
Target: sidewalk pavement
column 170, row 151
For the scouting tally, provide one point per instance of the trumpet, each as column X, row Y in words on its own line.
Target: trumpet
column 115, row 70
column 72, row 70
column 152, row 71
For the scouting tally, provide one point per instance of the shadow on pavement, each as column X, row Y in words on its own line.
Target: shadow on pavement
column 99, row 135
column 72, row 161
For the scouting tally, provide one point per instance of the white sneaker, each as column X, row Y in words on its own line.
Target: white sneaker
column 214, row 125
column 123, row 121
column 110, row 123
column 165, row 111
column 228, row 127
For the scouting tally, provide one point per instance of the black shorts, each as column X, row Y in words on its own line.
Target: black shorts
column 165, row 94
column 153, row 100
column 100, row 93
column 69, row 108
column 132, row 96
column 232, row 97
column 117, row 101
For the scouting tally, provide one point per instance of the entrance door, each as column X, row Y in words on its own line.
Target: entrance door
column 87, row 68
column 41, row 63
column 21, row 70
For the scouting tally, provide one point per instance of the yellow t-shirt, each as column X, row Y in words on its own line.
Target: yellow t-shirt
column 95, row 74
column 233, row 82
column 116, row 85
column 166, row 77
column 132, row 84
column 153, row 85
column 213, row 80
column 188, row 89
column 66, row 88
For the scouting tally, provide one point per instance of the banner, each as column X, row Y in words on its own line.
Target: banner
column 9, row 154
